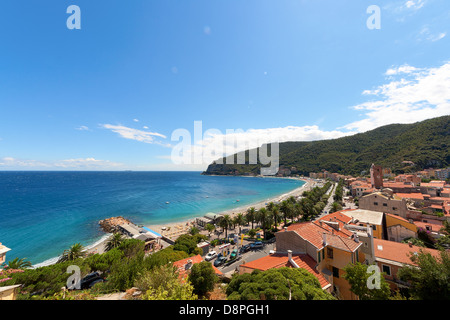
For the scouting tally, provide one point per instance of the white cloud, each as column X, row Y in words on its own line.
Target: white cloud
column 136, row 120
column 402, row 69
column 419, row 94
column 426, row 34
column 87, row 163
column 216, row 144
column 133, row 134
column 414, row 4
column 83, row 128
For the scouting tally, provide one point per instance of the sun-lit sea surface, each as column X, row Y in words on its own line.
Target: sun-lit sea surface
column 44, row 213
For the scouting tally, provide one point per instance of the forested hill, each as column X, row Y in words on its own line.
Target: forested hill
column 425, row 143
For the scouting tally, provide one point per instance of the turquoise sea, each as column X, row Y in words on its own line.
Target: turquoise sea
column 44, row 213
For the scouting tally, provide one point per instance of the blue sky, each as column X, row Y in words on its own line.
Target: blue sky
column 110, row 95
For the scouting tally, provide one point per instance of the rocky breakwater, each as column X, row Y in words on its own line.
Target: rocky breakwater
column 111, row 225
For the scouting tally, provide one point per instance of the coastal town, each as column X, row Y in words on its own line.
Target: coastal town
column 327, row 228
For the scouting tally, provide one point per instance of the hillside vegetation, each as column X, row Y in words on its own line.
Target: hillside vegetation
column 425, row 143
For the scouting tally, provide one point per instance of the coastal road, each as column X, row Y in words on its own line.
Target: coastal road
column 327, row 208
column 249, row 256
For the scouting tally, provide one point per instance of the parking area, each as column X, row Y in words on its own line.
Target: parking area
column 248, row 256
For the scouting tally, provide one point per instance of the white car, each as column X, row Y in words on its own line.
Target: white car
column 211, row 255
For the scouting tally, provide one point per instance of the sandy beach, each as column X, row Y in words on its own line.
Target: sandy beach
column 175, row 229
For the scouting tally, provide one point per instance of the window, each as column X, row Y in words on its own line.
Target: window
column 374, row 227
column 330, row 253
column 384, row 204
column 386, row 269
column 394, row 208
column 375, row 203
column 335, row 272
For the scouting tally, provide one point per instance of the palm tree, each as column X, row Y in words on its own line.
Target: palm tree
column 292, row 200
column 286, row 208
column 263, row 217
column 240, row 221
column 76, row 251
column 225, row 223
column 335, row 206
column 114, row 242
column 19, row 264
column 250, row 216
column 210, row 227
column 193, row 231
column 275, row 212
column 298, row 210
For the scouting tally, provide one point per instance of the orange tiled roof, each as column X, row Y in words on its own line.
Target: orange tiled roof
column 279, row 260
column 397, row 217
column 435, row 225
column 396, row 185
column 433, row 184
column 414, row 195
column 342, row 243
column 313, row 231
column 181, row 265
column 398, row 252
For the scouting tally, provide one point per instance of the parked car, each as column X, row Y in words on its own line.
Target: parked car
column 220, row 261
column 245, row 248
column 234, row 254
column 211, row 255
column 257, row 245
column 91, row 279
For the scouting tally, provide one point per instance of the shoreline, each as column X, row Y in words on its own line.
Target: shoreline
column 183, row 226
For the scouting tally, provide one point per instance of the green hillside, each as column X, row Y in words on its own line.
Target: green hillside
column 425, row 143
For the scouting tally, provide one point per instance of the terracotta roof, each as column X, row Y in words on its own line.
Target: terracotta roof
column 181, row 265
column 431, row 184
column 313, row 232
column 279, row 260
column 435, row 225
column 342, row 243
column 440, row 199
column 396, row 185
column 397, row 217
column 398, row 252
column 414, row 195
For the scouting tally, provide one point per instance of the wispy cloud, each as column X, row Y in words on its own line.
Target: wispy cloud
column 425, row 34
column 414, row 4
column 133, row 134
column 406, row 69
column 82, row 163
column 83, row 128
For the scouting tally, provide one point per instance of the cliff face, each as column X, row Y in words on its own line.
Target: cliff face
column 218, row 169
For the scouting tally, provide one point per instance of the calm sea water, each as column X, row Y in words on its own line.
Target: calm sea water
column 44, row 213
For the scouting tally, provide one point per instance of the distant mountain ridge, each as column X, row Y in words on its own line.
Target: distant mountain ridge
column 425, row 143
